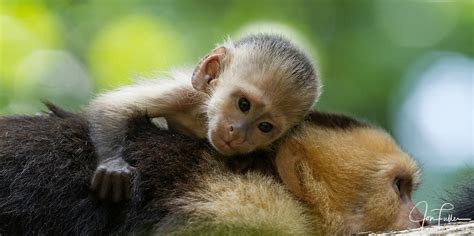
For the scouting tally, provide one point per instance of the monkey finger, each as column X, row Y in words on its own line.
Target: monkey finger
column 97, row 178
column 116, row 181
column 105, row 185
column 127, row 183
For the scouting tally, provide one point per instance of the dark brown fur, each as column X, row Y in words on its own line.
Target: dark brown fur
column 334, row 121
column 47, row 161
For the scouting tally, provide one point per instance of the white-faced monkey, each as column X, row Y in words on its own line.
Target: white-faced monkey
column 241, row 96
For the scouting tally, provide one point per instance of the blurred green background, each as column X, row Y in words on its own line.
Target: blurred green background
column 404, row 65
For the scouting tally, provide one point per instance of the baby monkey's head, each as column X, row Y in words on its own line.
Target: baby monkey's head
column 259, row 87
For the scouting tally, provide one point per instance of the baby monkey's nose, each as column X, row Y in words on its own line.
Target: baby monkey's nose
column 236, row 133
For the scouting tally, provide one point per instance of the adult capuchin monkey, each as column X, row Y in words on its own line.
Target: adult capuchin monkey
column 330, row 175
column 241, row 96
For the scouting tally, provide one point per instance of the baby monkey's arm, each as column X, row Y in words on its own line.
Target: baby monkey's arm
column 175, row 100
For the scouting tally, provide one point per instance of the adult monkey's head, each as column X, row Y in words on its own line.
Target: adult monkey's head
column 259, row 87
column 353, row 176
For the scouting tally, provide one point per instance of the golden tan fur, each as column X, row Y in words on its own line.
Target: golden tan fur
column 346, row 176
column 240, row 205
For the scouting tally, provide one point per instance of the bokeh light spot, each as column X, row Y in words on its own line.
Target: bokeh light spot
column 24, row 28
column 51, row 75
column 435, row 122
column 133, row 45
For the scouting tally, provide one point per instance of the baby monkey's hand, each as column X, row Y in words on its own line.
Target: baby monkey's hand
column 115, row 176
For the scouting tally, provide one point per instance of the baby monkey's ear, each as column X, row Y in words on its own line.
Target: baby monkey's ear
column 205, row 74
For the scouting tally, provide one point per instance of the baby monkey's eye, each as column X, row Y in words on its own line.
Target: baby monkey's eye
column 265, row 127
column 244, row 104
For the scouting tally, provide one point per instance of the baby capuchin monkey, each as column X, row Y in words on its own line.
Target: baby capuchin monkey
column 241, row 97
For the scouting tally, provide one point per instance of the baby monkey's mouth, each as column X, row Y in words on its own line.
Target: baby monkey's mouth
column 224, row 147
column 227, row 145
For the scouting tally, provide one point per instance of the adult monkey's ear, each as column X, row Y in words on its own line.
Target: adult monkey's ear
column 205, row 75
column 291, row 165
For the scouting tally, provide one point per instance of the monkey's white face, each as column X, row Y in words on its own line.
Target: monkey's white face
column 256, row 94
column 242, row 120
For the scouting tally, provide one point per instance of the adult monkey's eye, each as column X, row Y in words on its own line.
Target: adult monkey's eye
column 244, row 104
column 397, row 185
column 265, row 127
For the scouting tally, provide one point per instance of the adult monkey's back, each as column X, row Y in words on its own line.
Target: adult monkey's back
column 46, row 164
